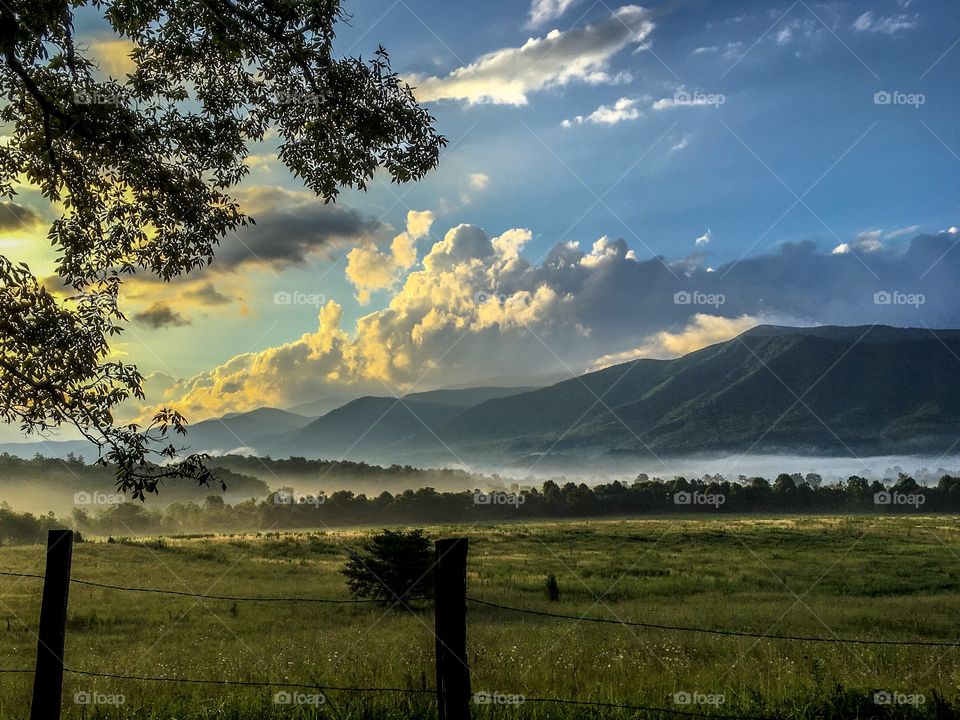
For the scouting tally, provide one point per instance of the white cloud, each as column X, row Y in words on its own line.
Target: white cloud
column 871, row 241
column 889, row 25
column 479, row 181
column 508, row 76
column 703, row 239
column 728, row 51
column 622, row 110
column 682, row 144
column 542, row 11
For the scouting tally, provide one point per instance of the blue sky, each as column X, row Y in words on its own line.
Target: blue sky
column 807, row 153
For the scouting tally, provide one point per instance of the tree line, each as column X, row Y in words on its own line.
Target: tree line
column 286, row 509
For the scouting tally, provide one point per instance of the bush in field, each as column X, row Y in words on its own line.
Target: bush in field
column 552, row 587
column 392, row 567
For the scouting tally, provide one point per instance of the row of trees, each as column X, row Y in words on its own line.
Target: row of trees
column 21, row 528
column 287, row 509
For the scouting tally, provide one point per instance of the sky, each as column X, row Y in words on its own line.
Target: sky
column 621, row 181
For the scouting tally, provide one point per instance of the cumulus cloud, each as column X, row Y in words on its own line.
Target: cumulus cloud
column 290, row 228
column 508, row 76
column 704, row 239
column 370, row 269
column 160, row 315
column 542, row 11
column 868, row 22
column 474, row 307
column 622, row 110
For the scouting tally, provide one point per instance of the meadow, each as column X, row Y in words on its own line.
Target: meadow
column 831, row 577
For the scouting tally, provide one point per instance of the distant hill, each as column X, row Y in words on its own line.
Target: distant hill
column 364, row 428
column 467, row 397
column 241, row 430
column 836, row 390
column 842, row 391
column 316, row 408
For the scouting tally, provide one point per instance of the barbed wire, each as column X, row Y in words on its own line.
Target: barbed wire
column 205, row 596
column 712, row 631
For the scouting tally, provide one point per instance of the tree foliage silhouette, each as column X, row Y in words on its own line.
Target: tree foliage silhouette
column 393, row 566
column 140, row 169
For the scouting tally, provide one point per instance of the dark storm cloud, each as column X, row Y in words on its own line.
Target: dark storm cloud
column 160, row 315
column 17, row 217
column 289, row 236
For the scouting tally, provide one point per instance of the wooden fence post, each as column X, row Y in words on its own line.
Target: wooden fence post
column 450, row 613
column 48, row 680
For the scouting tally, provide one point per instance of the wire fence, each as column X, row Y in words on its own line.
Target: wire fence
column 595, row 704
column 714, row 631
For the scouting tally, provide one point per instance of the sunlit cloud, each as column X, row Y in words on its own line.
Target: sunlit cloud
column 508, row 76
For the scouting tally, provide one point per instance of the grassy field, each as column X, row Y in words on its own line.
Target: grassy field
column 829, row 577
